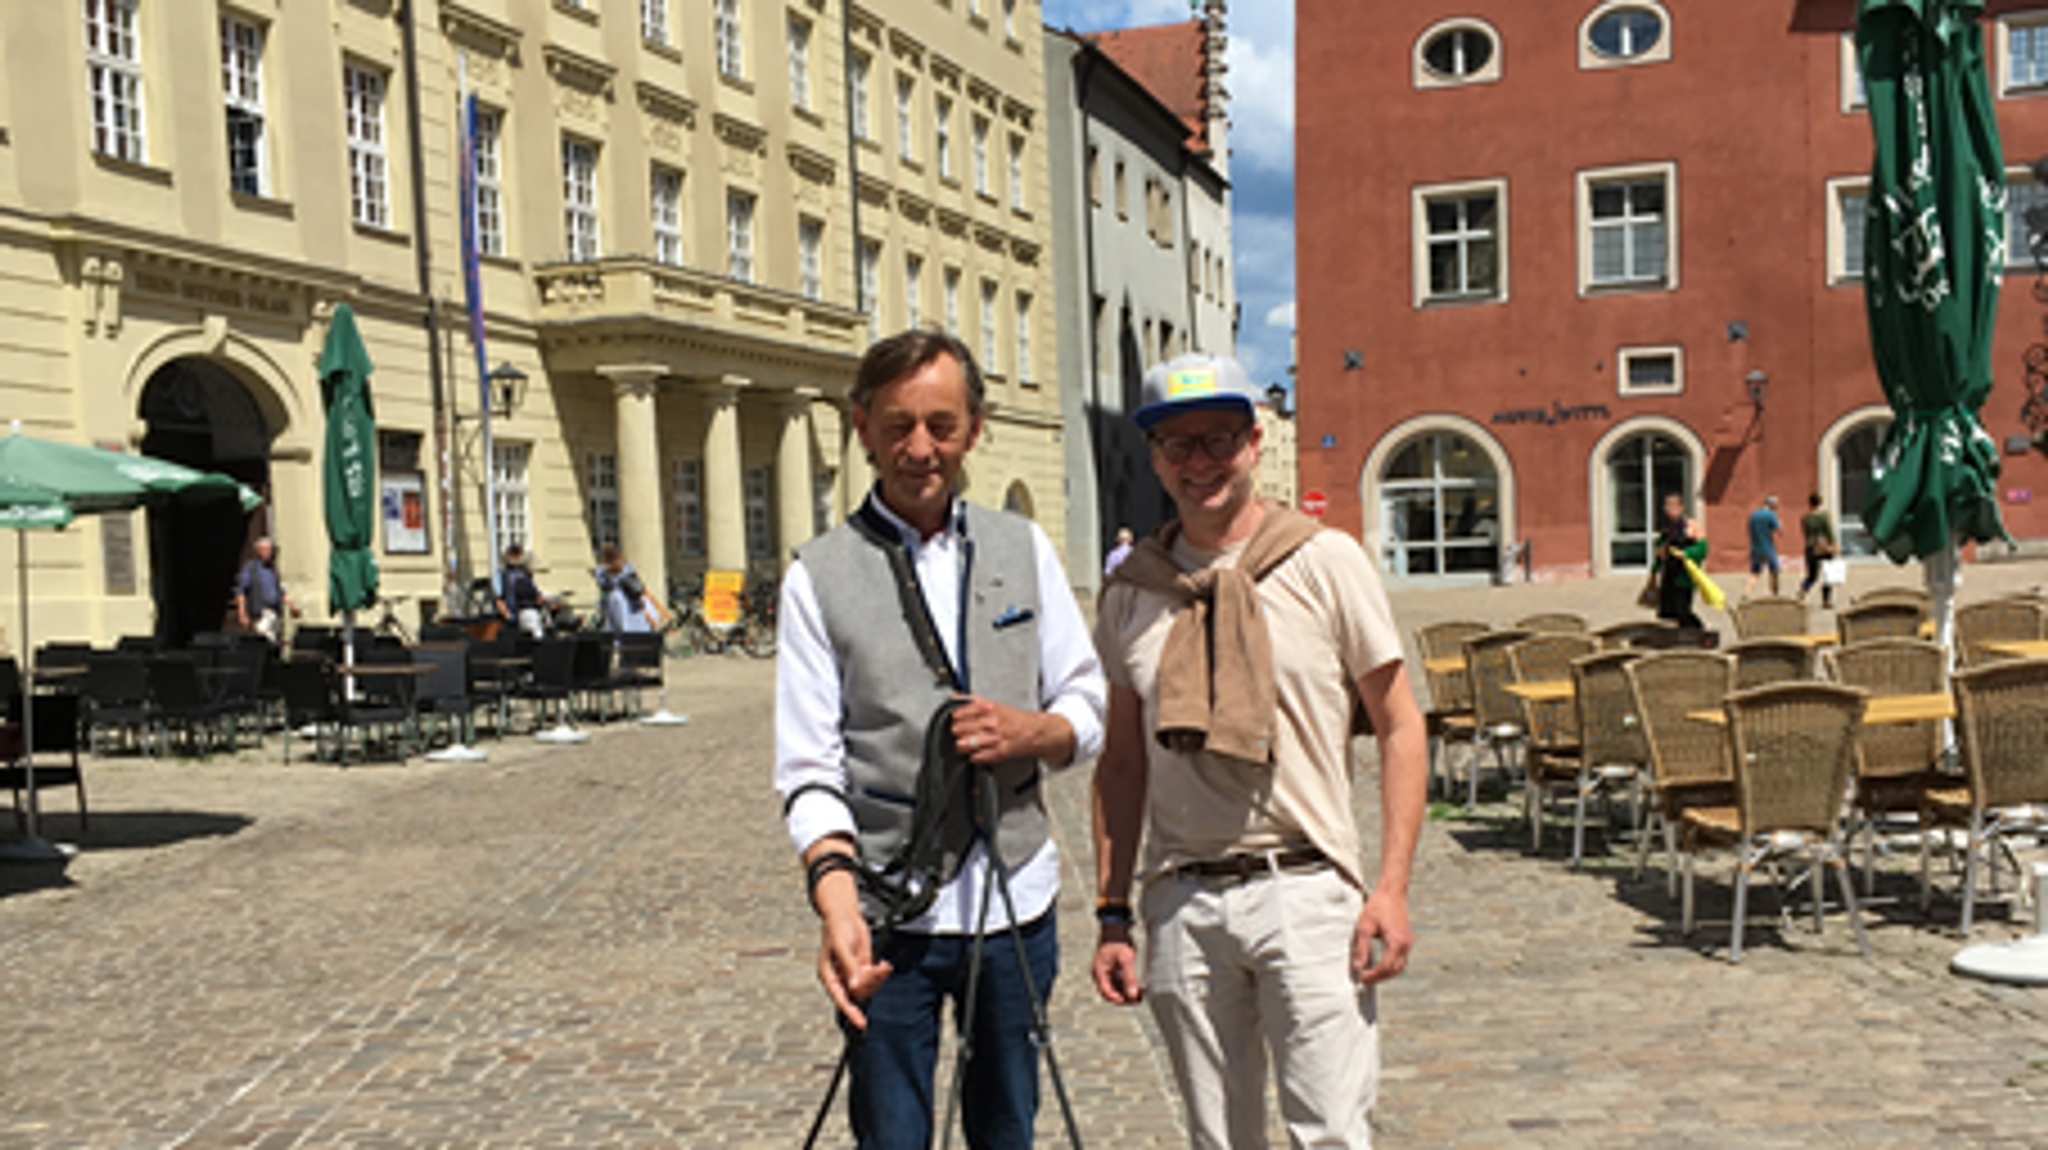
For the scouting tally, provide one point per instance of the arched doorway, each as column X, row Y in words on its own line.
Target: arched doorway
column 1017, row 500
column 1855, row 455
column 200, row 415
column 1440, row 508
column 1641, row 470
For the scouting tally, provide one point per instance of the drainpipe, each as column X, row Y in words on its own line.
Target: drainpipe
column 423, row 264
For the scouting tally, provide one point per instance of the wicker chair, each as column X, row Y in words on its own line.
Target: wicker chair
column 1644, row 634
column 1768, row 618
column 1793, row 745
column 1554, row 623
column 1450, row 692
column 1552, row 728
column 1900, row 761
column 2003, row 726
column 1612, row 749
column 1496, row 714
column 1917, row 596
column 1688, row 759
column 1761, row 662
column 1883, row 619
column 1993, row 621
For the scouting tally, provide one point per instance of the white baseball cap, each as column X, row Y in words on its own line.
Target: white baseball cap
column 1195, row 383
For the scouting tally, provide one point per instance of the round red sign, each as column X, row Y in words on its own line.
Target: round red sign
column 1313, row 504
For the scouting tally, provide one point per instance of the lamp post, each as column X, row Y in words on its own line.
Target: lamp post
column 504, row 391
column 1759, row 386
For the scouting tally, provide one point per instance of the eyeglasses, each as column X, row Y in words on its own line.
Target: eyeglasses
column 1221, row 446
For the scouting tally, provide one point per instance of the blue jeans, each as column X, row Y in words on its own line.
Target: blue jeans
column 890, row 1093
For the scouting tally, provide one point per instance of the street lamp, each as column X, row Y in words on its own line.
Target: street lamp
column 1759, row 386
column 1276, row 398
column 508, row 389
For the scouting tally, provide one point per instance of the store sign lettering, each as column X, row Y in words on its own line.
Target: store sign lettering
column 1555, row 413
column 213, row 295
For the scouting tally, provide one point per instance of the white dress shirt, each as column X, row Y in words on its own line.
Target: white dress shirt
column 808, row 747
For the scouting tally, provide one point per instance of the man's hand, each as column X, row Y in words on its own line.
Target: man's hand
column 1384, row 922
column 1116, row 967
column 847, row 968
column 989, row 732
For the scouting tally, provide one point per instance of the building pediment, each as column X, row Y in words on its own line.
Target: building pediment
column 811, row 163
column 576, row 70
column 666, row 104
column 739, row 133
column 472, row 29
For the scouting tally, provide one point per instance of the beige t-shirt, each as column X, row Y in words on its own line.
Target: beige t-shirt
column 1330, row 626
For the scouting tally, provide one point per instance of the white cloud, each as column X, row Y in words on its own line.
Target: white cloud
column 1281, row 316
column 1261, row 83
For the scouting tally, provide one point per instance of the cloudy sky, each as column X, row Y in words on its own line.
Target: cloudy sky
column 1261, row 83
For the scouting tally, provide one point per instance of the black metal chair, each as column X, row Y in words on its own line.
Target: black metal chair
column 56, row 732
column 553, row 680
column 591, row 673
column 116, row 688
column 444, row 693
column 443, row 633
column 10, row 688
column 380, row 701
column 306, row 689
column 62, row 657
column 183, row 702
column 639, row 666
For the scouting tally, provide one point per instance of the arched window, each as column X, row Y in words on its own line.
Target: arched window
column 1855, row 452
column 1626, row 33
column 1641, row 470
column 1017, row 500
column 1440, row 507
column 1460, row 50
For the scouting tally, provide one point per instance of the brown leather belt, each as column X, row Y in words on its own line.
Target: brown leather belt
column 1242, row 867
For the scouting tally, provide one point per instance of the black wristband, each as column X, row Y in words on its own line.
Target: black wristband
column 823, row 865
column 1114, row 914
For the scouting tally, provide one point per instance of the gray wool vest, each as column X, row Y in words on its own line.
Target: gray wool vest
column 888, row 693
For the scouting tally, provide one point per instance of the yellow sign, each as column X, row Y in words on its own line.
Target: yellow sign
column 722, row 597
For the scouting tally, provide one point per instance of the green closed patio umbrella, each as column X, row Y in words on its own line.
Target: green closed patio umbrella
column 1934, row 249
column 44, row 485
column 348, row 472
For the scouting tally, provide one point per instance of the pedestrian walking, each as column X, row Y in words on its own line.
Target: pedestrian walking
column 622, row 600
column 1682, row 538
column 1763, row 545
column 1237, row 643
column 984, row 594
column 1118, row 553
column 260, row 595
column 1817, row 529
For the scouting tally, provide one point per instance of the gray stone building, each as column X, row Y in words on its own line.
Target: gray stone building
column 1138, row 138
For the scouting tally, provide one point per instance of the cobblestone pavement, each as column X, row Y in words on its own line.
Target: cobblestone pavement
column 607, row 945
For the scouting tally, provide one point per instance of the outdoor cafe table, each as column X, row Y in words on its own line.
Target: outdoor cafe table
column 2023, row 648
column 1881, row 710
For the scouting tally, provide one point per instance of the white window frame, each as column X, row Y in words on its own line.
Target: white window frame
column 740, row 209
column 241, row 74
column 810, row 257
column 906, row 116
column 860, row 114
column 580, row 237
column 942, row 130
column 2020, row 186
column 913, row 290
column 113, row 59
column 989, row 343
column 688, row 489
column 727, row 36
column 1592, row 58
column 978, row 129
column 1023, row 337
column 601, row 498
column 654, row 22
column 665, row 209
column 759, row 492
column 1845, row 252
column 1423, row 240
column 871, row 285
column 1626, row 358
column 490, row 188
column 1016, row 173
column 1009, row 19
column 799, row 62
column 510, row 462
column 2032, row 29
column 369, row 168
column 950, row 292
column 1587, row 180
column 1854, row 97
column 1424, row 76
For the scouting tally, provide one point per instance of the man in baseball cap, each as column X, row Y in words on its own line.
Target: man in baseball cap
column 1235, row 642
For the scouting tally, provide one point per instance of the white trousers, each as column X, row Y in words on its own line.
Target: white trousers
column 1240, row 971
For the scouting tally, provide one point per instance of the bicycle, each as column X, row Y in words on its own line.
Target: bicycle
column 687, row 632
column 389, row 623
column 757, row 618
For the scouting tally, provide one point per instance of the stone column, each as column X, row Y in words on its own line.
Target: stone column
column 725, row 501
column 795, row 520
column 856, row 475
column 638, row 439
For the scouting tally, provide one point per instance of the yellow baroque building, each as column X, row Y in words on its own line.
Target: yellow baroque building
column 695, row 215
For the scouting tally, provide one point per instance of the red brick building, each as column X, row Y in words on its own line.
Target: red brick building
column 1557, row 259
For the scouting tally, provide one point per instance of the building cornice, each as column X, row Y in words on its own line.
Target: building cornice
column 667, row 104
column 579, row 71
column 460, row 22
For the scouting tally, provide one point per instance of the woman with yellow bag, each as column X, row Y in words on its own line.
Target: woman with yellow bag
column 1680, row 551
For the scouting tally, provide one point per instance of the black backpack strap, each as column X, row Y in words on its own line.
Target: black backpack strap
column 909, row 593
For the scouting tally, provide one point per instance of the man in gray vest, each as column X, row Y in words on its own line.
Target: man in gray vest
column 855, row 690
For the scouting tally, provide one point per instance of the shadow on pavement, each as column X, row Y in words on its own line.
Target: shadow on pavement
column 115, row 831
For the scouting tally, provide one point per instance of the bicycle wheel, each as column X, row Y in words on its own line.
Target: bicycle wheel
column 758, row 638
column 708, row 640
